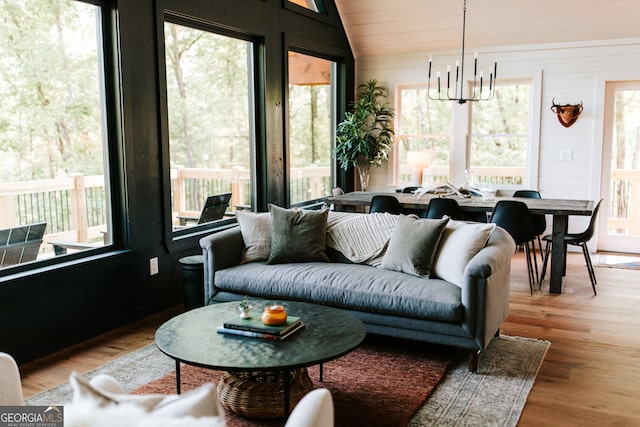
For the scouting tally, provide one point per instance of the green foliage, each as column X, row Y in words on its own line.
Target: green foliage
column 365, row 135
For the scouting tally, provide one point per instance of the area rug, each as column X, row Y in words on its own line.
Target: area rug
column 617, row 261
column 493, row 396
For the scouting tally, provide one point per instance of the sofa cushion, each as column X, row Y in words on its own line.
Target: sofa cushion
column 256, row 234
column 460, row 242
column 298, row 235
column 352, row 286
column 413, row 245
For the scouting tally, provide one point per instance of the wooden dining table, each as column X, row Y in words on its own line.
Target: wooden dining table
column 559, row 209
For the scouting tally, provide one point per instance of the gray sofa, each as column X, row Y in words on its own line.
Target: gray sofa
column 466, row 314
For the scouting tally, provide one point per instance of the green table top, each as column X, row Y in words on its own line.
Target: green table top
column 191, row 338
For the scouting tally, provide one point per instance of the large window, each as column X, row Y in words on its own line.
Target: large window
column 422, row 125
column 500, row 136
column 210, row 106
column 492, row 143
column 312, row 95
column 54, row 163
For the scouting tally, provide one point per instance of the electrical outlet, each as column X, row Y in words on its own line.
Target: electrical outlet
column 153, row 266
column 566, row 154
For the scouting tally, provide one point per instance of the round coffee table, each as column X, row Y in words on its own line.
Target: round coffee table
column 191, row 338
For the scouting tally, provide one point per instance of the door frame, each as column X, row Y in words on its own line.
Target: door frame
column 602, row 161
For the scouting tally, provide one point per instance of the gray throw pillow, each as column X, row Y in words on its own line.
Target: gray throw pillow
column 413, row 245
column 298, row 235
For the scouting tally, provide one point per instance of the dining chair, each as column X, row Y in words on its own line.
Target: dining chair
column 383, row 203
column 515, row 218
column 539, row 221
column 576, row 239
column 408, row 211
column 440, row 206
column 10, row 384
column 410, row 189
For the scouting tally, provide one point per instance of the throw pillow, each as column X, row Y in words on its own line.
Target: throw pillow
column 413, row 245
column 298, row 235
column 460, row 242
column 256, row 234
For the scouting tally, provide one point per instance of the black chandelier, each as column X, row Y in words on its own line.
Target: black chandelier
column 479, row 90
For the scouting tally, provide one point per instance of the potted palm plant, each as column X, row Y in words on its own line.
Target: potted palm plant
column 365, row 136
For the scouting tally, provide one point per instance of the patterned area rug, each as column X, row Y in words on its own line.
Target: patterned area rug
column 617, row 261
column 493, row 396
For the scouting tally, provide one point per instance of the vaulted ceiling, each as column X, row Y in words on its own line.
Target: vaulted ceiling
column 392, row 26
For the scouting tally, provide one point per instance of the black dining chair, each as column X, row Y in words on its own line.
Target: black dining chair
column 539, row 221
column 439, row 207
column 410, row 189
column 407, row 211
column 576, row 239
column 382, row 203
column 515, row 218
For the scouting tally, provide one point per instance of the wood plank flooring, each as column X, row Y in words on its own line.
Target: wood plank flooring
column 589, row 377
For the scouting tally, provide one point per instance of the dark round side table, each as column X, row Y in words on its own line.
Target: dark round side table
column 192, row 268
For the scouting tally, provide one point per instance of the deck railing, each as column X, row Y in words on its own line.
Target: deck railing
column 75, row 210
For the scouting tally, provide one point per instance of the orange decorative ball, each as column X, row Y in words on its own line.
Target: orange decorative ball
column 274, row 315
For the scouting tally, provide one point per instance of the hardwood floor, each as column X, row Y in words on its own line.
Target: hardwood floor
column 590, row 375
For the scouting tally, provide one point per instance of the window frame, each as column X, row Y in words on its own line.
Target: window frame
column 335, row 79
column 109, row 66
column 177, row 240
column 461, row 126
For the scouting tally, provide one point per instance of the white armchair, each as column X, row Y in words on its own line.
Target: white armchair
column 10, row 383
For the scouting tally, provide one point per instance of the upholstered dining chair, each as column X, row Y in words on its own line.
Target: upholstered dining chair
column 576, row 239
column 515, row 218
column 539, row 221
column 440, row 206
column 10, row 384
column 384, row 203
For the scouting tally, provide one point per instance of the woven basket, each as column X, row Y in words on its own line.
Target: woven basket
column 261, row 394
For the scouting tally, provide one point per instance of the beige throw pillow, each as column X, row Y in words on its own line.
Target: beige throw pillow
column 256, row 234
column 460, row 242
column 413, row 245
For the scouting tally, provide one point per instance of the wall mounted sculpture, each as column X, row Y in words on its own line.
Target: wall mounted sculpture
column 568, row 113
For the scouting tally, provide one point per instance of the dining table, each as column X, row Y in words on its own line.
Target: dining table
column 559, row 209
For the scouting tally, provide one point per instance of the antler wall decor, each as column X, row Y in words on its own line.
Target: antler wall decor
column 568, row 113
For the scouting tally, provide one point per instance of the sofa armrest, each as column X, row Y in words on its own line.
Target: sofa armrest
column 486, row 287
column 220, row 250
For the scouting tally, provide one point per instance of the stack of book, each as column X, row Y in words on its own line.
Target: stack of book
column 253, row 327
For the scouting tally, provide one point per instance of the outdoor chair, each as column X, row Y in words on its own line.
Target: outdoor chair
column 213, row 209
column 382, row 203
column 20, row 244
column 577, row 239
column 515, row 218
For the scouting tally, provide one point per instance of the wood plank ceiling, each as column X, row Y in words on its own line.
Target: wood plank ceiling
column 384, row 26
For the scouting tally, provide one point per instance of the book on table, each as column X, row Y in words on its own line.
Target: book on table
column 241, row 332
column 254, row 324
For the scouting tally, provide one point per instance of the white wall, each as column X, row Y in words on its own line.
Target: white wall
column 571, row 72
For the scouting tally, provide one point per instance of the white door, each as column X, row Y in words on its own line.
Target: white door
column 619, row 218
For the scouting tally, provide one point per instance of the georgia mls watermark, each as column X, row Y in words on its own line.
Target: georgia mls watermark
column 31, row 416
